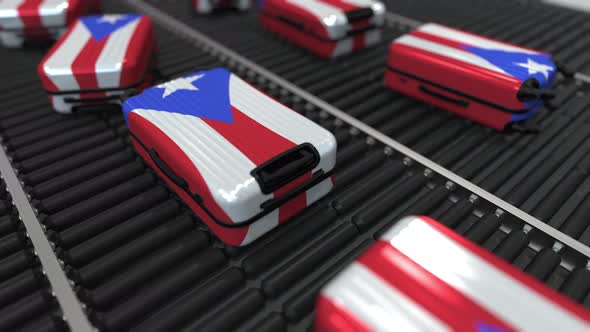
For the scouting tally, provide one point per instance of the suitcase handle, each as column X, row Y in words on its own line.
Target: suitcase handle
column 458, row 102
column 286, row 167
column 164, row 168
column 358, row 14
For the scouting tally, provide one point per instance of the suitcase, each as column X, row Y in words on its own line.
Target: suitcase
column 39, row 21
column 207, row 6
column 484, row 80
column 422, row 276
column 243, row 162
column 99, row 60
column 324, row 27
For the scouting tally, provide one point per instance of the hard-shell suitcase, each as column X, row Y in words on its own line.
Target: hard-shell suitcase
column 324, row 27
column 207, row 6
column 422, row 276
column 487, row 81
column 99, row 60
column 243, row 162
column 39, row 21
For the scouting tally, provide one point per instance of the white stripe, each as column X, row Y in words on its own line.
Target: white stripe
column 110, row 63
column 204, row 6
column 496, row 291
column 224, row 168
column 318, row 191
column 283, row 120
column 462, row 37
column 447, row 51
column 9, row 18
column 582, row 5
column 58, row 67
column 53, row 12
column 332, row 18
column 378, row 305
column 261, row 227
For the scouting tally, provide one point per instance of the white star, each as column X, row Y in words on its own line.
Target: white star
column 111, row 19
column 535, row 67
column 183, row 83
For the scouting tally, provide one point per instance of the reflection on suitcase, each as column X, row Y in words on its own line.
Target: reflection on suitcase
column 243, row 162
column 325, row 28
column 422, row 276
column 99, row 60
column 487, row 81
column 39, row 21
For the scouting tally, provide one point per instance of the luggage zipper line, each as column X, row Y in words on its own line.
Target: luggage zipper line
column 215, row 48
column 71, row 307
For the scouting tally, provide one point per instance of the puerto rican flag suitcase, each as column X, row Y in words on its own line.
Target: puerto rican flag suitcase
column 207, row 6
column 487, row 81
column 327, row 28
column 422, row 276
column 39, row 20
column 243, row 162
column 99, row 60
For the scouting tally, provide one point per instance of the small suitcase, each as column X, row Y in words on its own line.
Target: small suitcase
column 324, row 27
column 207, row 6
column 422, row 276
column 39, row 21
column 99, row 60
column 487, row 81
column 243, row 162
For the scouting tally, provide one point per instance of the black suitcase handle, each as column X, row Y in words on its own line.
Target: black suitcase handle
column 286, row 167
column 358, row 14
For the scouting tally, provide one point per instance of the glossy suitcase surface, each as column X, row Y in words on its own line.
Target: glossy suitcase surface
column 207, row 6
column 243, row 162
column 34, row 20
column 325, row 27
column 98, row 60
column 487, row 81
column 422, row 276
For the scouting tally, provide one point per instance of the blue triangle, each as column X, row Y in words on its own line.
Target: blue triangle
column 211, row 100
column 100, row 28
column 484, row 327
column 508, row 61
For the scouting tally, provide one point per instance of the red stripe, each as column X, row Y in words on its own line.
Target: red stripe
column 29, row 13
column 443, row 301
column 153, row 137
column 255, row 141
column 321, row 48
column 277, row 8
column 140, row 51
column 331, row 317
column 260, row 144
column 458, row 75
column 47, row 83
column 524, row 279
column 84, row 67
column 344, row 6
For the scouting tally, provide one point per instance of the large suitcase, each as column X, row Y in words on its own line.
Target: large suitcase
column 39, row 21
column 98, row 61
column 207, row 6
column 487, row 81
column 422, row 276
column 243, row 162
column 324, row 27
